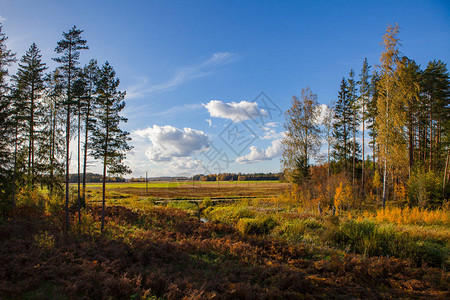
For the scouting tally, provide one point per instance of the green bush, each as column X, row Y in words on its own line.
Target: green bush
column 258, row 226
column 44, row 240
column 425, row 189
column 228, row 214
column 54, row 205
column 312, row 223
column 30, row 197
column 148, row 200
column 184, row 205
column 206, row 202
column 293, row 231
column 368, row 238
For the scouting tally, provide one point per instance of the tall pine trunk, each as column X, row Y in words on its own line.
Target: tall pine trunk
column 67, row 166
column 52, row 149
column 384, row 183
column 85, row 152
column 31, row 138
column 103, row 190
column 16, row 134
column 411, row 143
column 68, row 150
column 354, row 148
column 105, row 157
column 79, row 162
column 445, row 175
column 431, row 138
column 363, row 145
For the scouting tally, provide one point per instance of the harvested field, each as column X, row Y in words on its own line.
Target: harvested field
column 200, row 190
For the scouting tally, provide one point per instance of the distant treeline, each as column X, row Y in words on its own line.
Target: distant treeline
column 239, row 177
column 220, row 177
column 91, row 177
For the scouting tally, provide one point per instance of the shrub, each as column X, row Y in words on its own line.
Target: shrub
column 292, row 231
column 54, row 205
column 415, row 215
column 44, row 240
column 229, row 214
column 425, row 189
column 206, row 202
column 30, row 197
column 312, row 223
column 87, row 224
column 367, row 238
column 258, row 226
column 343, row 196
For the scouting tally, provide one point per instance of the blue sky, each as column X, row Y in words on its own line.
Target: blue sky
column 175, row 57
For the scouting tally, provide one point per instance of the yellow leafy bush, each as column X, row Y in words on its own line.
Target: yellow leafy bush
column 343, row 196
column 376, row 181
column 415, row 215
column 400, row 192
column 44, row 240
column 54, row 205
column 87, row 224
column 30, row 196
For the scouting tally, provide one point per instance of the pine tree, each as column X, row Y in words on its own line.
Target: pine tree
column 90, row 74
column 436, row 89
column 79, row 90
column 69, row 47
column 6, row 124
column 302, row 140
column 371, row 116
column 341, row 126
column 328, row 124
column 408, row 88
column 18, row 121
column 109, row 142
column 52, row 147
column 30, row 84
column 364, row 96
column 354, row 116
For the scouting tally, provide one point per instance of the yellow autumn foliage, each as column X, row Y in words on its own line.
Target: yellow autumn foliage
column 408, row 216
column 343, row 196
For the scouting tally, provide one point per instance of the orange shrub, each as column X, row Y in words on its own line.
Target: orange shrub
column 343, row 196
column 415, row 215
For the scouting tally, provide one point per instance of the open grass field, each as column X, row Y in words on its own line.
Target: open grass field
column 187, row 190
column 153, row 184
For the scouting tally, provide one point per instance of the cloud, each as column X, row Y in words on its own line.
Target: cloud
column 273, row 124
column 321, row 110
column 257, row 155
column 2, row 19
column 235, row 111
column 169, row 142
column 183, row 75
column 271, row 134
column 179, row 166
column 209, row 122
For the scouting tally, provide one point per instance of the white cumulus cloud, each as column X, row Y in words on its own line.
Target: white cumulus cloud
column 235, row 111
column 169, row 142
column 256, row 154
